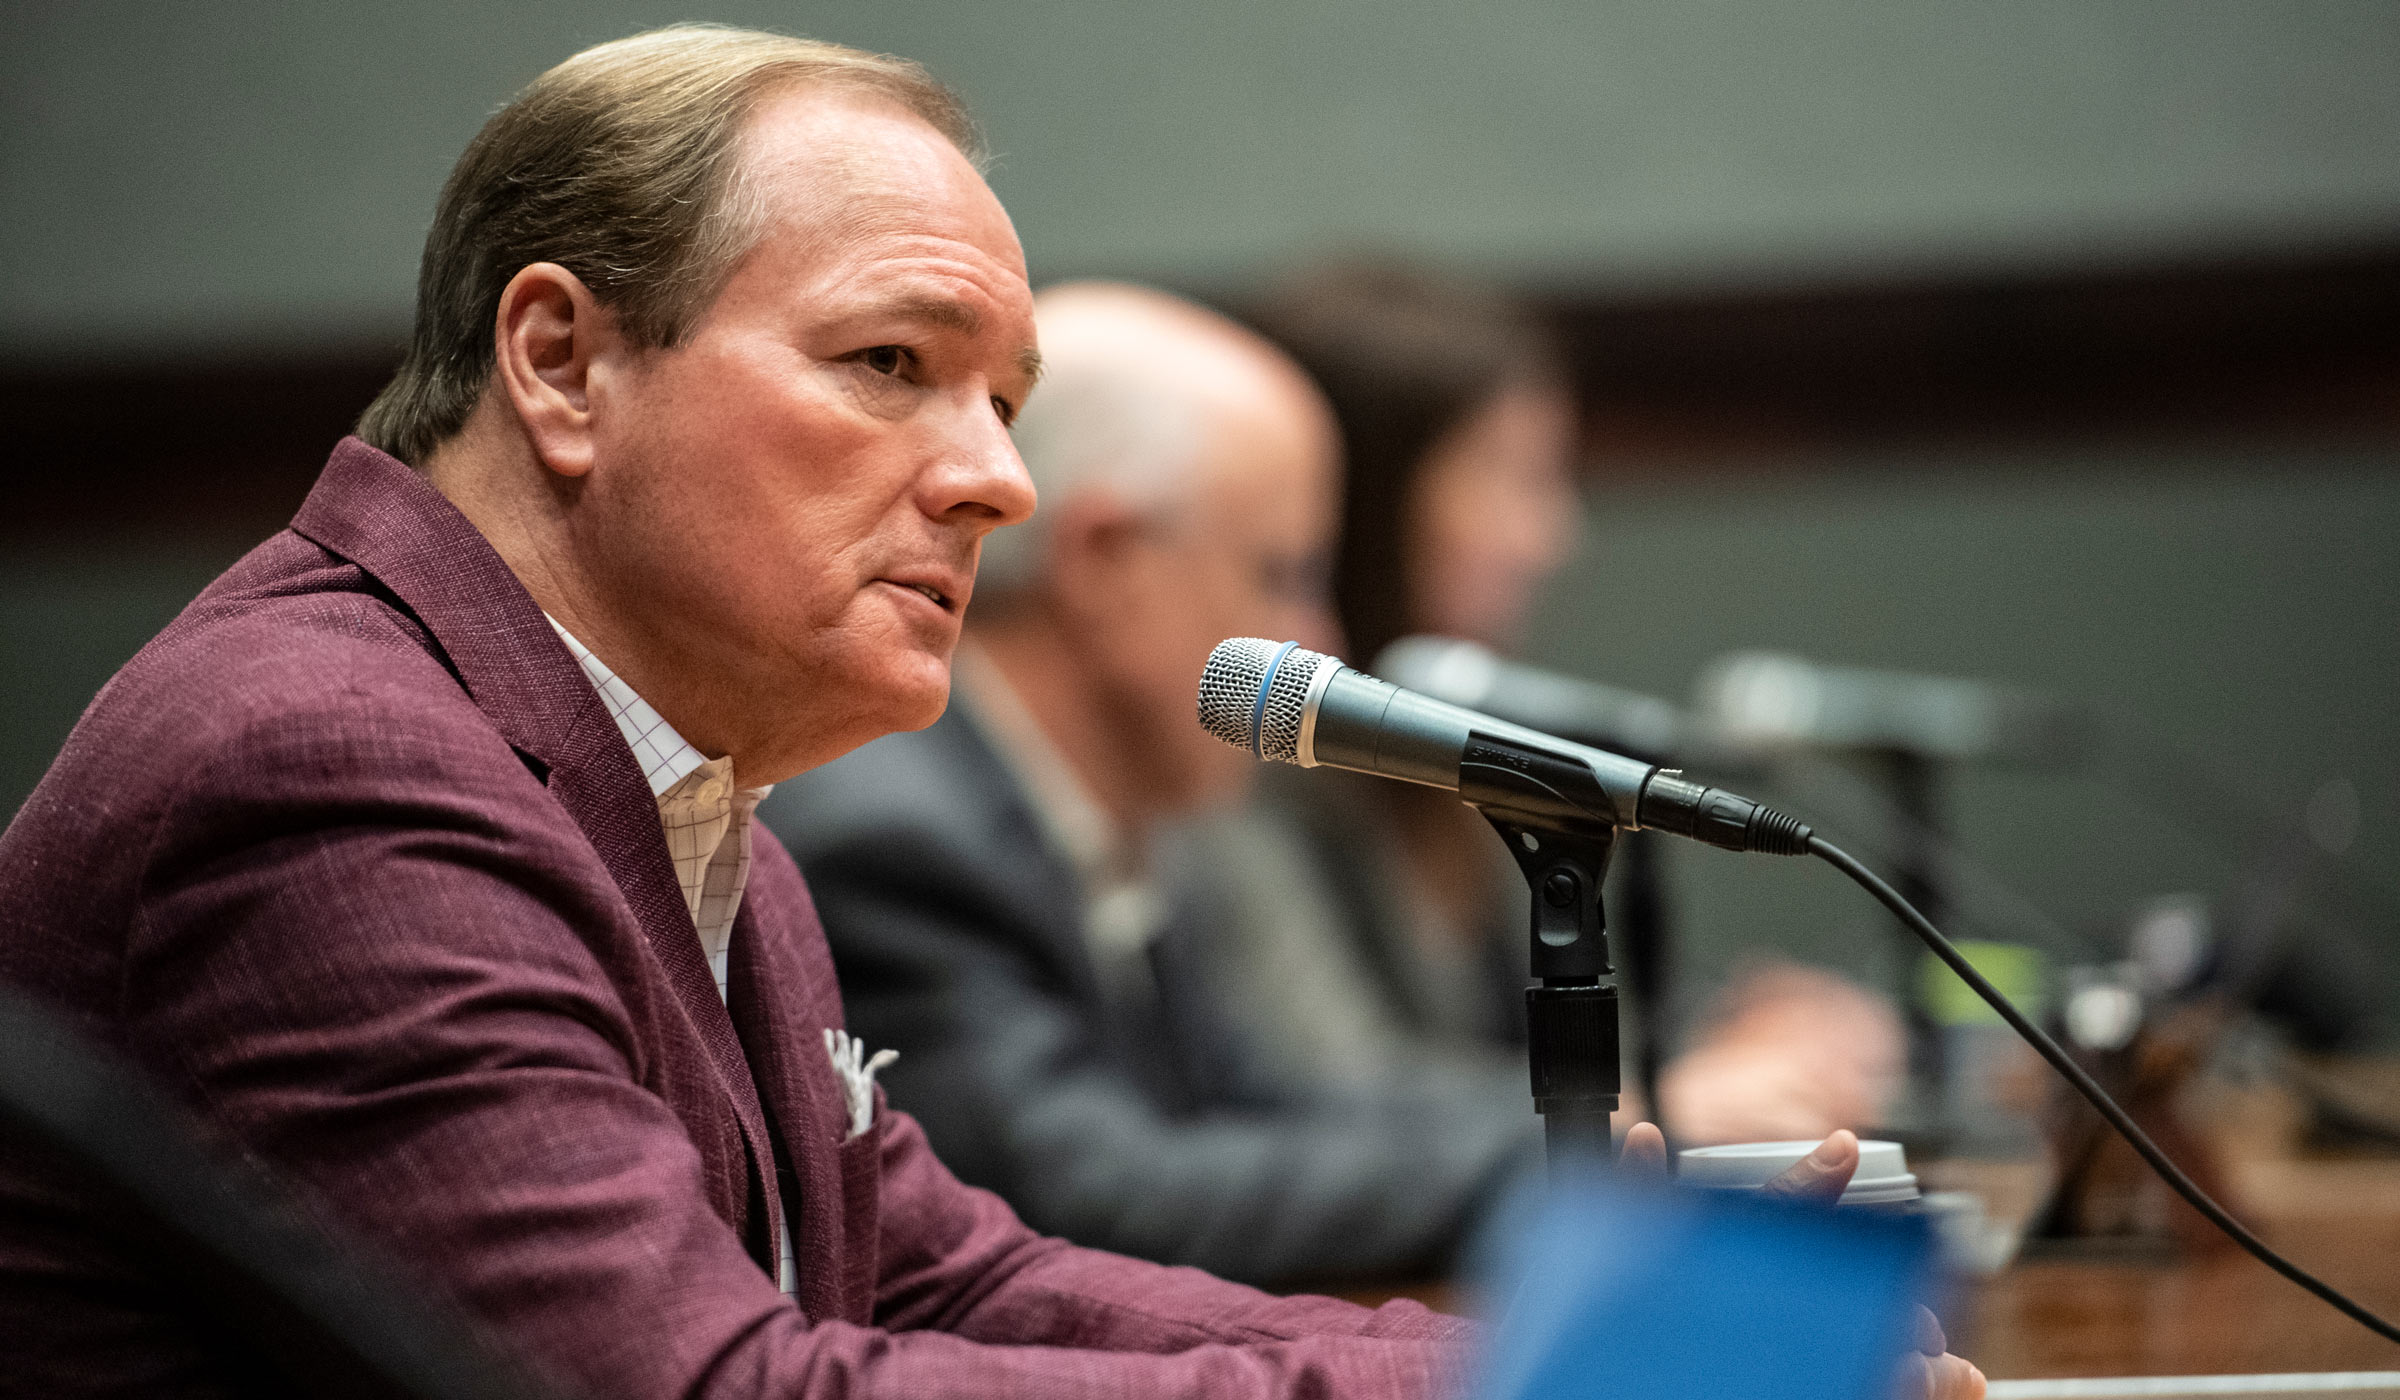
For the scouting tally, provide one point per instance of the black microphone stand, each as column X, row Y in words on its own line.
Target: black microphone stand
column 1571, row 1015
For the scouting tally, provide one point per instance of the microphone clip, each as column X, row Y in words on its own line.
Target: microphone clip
column 1571, row 1015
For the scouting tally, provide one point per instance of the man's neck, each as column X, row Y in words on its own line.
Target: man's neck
column 1050, row 678
column 488, row 472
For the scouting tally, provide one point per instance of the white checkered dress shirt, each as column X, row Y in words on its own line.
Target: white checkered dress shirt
column 707, row 821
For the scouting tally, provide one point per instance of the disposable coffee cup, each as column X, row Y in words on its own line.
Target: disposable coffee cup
column 1883, row 1178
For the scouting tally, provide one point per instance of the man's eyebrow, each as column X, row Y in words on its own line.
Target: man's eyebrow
column 935, row 311
column 956, row 316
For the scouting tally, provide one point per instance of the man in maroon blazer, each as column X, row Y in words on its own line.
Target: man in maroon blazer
column 416, row 853
column 411, row 887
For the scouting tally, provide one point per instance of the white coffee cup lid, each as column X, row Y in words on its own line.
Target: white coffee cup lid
column 1883, row 1177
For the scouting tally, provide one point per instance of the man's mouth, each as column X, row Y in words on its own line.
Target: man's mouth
column 925, row 590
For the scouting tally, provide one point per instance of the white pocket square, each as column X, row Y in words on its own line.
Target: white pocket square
column 857, row 1070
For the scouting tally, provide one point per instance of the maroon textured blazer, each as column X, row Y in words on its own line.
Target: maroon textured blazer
column 352, row 857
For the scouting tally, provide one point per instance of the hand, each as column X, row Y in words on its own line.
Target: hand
column 1821, row 1176
column 1929, row 1372
column 1644, row 1154
column 1786, row 1052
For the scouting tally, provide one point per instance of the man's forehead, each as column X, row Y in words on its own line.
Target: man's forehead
column 877, row 203
column 817, row 152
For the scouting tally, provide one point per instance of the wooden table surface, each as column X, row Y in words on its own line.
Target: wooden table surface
column 2045, row 1317
column 2339, row 1219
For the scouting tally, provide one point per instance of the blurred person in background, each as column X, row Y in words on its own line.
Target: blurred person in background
column 998, row 907
column 1377, row 929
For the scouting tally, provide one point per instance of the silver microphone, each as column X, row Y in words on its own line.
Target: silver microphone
column 1288, row 704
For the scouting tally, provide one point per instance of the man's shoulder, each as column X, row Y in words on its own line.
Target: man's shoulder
column 291, row 649
column 931, row 819
column 292, row 698
column 943, row 785
column 301, row 595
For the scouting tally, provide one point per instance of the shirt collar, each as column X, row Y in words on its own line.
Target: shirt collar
column 665, row 757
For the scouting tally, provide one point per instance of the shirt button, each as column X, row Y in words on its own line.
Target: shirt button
column 711, row 791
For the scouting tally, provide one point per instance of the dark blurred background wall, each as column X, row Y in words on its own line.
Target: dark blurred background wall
column 2051, row 341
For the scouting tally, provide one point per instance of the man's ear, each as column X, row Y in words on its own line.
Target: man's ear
column 549, row 332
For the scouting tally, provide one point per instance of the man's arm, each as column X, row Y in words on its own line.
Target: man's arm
column 374, row 948
column 957, row 1259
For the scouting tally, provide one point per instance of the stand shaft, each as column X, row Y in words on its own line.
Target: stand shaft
column 1575, row 1136
column 1571, row 1045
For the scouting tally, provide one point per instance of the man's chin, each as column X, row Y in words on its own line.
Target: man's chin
column 922, row 717
column 917, row 697
column 888, row 699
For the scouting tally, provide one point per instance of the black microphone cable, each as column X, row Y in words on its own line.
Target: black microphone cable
column 2085, row 1085
column 1251, row 700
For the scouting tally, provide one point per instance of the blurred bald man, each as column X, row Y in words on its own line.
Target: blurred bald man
column 994, row 887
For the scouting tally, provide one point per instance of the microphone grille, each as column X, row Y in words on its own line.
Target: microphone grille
column 1253, row 694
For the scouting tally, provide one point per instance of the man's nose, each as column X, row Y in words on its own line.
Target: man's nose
column 982, row 477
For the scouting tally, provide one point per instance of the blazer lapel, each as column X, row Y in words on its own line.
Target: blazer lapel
column 374, row 511
column 782, row 1026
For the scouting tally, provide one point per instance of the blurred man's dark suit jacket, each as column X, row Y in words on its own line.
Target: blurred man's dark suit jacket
column 1117, row 1111
column 353, row 860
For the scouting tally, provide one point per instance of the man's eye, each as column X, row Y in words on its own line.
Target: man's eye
column 885, row 359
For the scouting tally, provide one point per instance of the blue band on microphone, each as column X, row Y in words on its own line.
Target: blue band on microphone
column 1258, row 711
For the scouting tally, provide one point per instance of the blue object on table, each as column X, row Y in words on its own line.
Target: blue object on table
column 1659, row 1294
